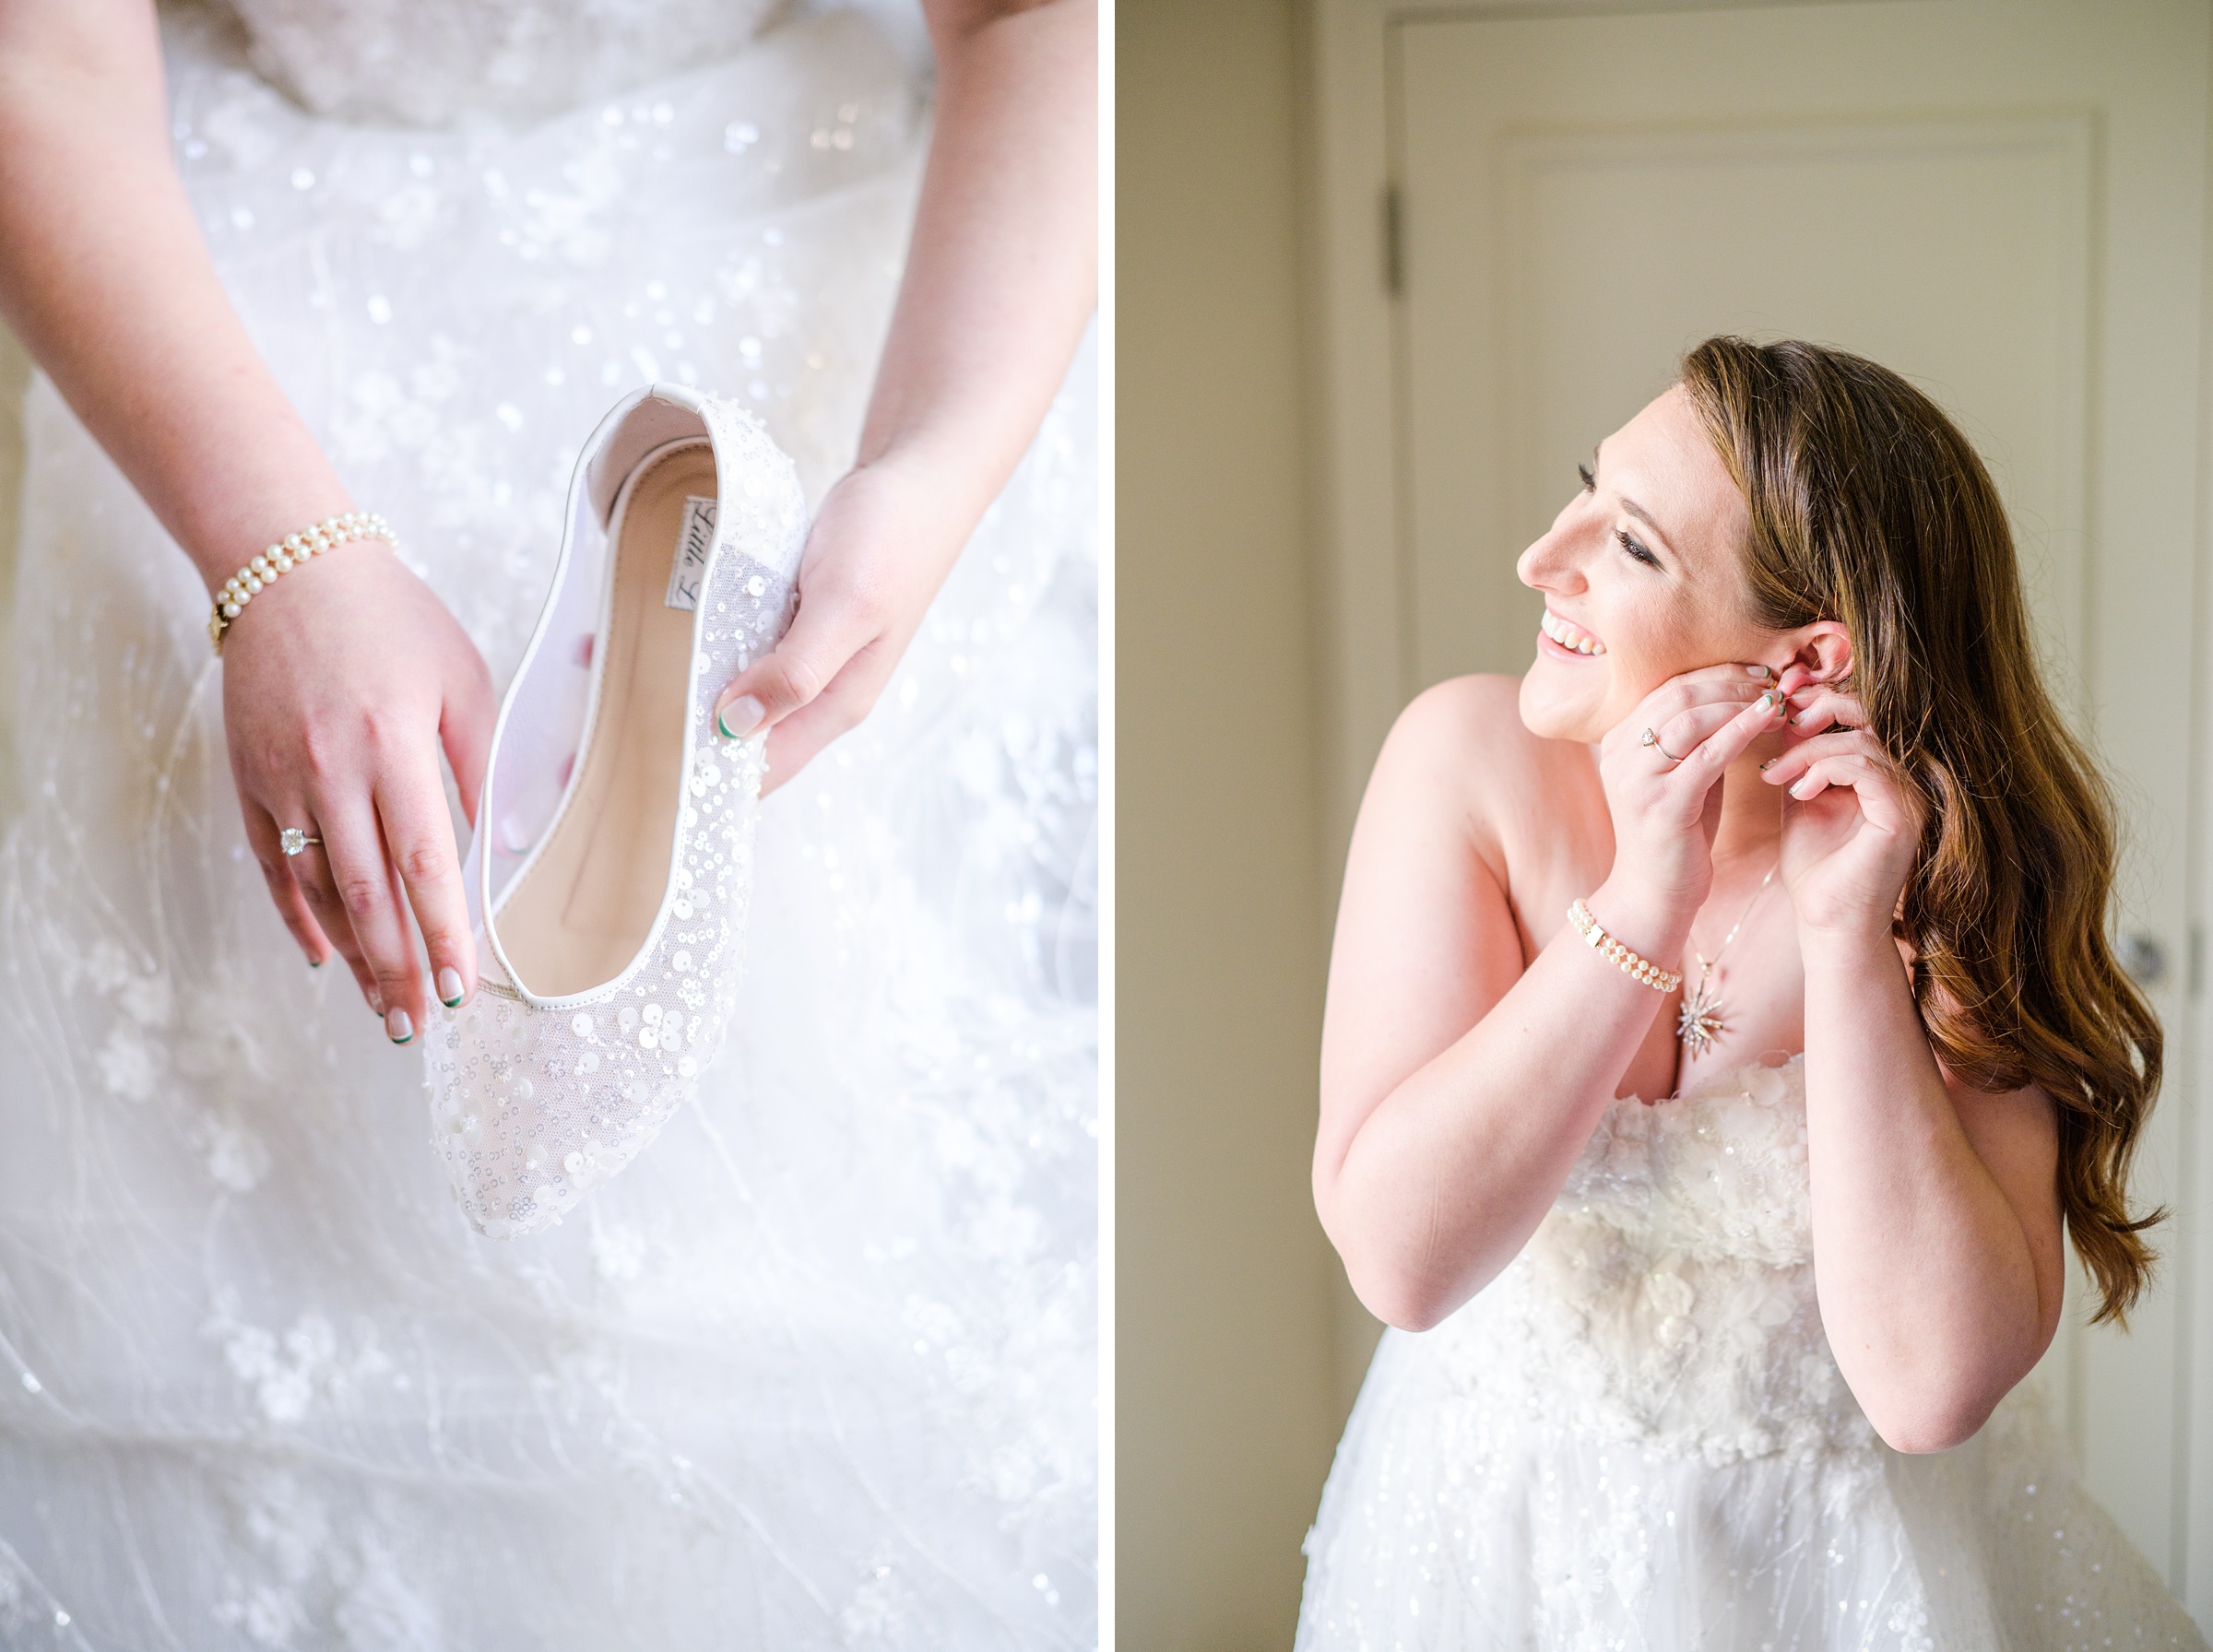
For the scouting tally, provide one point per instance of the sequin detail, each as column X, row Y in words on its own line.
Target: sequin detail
column 533, row 1107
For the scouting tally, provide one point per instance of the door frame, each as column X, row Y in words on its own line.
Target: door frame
column 1366, row 647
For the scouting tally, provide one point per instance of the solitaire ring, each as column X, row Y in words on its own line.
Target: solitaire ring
column 1652, row 741
column 293, row 839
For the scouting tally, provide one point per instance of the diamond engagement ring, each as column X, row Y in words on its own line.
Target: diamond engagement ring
column 1652, row 741
column 293, row 839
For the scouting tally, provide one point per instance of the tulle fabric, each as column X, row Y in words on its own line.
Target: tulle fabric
column 816, row 1370
column 1637, row 1437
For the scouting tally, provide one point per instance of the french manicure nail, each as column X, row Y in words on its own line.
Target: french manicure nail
column 376, row 1002
column 449, row 986
column 1803, row 789
column 1766, row 766
column 398, row 1027
column 739, row 718
column 1758, row 671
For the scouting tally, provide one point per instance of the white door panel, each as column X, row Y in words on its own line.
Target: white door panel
column 1622, row 249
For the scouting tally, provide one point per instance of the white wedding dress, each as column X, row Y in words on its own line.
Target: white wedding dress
column 818, row 1369
column 1636, row 1436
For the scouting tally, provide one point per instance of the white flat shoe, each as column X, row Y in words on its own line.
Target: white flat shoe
column 611, row 863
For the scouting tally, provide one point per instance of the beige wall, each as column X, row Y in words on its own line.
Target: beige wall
column 1226, row 1405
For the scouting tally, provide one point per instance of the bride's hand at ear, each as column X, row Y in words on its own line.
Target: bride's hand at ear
column 1851, row 826
column 1665, row 798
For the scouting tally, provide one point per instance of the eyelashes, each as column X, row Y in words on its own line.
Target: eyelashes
column 1636, row 551
column 1623, row 538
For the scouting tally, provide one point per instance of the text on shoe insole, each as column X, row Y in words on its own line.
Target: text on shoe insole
column 689, row 565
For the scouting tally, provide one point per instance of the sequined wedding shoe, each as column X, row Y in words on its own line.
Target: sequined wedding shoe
column 611, row 864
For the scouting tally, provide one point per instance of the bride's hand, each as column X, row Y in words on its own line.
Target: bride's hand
column 340, row 681
column 1001, row 273
column 1666, row 811
column 1851, row 829
column 879, row 549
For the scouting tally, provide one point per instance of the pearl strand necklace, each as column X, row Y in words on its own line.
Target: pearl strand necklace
column 287, row 554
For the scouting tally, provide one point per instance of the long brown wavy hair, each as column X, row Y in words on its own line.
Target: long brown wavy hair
column 1869, row 507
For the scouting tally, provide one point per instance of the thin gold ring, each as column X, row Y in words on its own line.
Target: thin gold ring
column 1652, row 741
column 292, row 839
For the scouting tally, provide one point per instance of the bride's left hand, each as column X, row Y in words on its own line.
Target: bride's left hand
column 1851, row 829
column 879, row 549
column 1001, row 276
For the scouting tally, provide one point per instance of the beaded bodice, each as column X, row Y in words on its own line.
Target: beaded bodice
column 1668, row 1295
column 429, row 63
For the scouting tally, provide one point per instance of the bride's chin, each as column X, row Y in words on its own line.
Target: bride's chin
column 1551, row 715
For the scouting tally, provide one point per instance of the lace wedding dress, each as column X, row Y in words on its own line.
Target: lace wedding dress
column 818, row 1369
column 1636, row 1436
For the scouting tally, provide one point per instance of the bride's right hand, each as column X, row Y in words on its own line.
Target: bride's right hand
column 1666, row 811
column 340, row 681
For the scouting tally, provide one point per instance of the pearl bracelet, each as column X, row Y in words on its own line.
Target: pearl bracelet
column 1643, row 968
column 286, row 554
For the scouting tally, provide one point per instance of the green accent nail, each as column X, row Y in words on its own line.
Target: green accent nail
column 726, row 733
column 451, row 1003
column 408, row 1039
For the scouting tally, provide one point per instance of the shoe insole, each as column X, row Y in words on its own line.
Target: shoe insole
column 584, row 906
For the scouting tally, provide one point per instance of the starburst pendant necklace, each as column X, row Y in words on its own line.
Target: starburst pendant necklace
column 1702, row 1021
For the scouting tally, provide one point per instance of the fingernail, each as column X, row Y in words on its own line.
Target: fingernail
column 1766, row 703
column 1758, row 671
column 376, row 1002
column 744, row 710
column 1803, row 789
column 449, row 986
column 1766, row 766
column 398, row 1027
column 315, row 964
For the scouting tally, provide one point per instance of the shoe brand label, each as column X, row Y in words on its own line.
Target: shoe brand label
column 689, row 566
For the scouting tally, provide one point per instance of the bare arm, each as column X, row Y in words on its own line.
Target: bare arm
column 105, row 279
column 1001, row 276
column 341, row 679
column 1938, row 1247
column 1458, row 1087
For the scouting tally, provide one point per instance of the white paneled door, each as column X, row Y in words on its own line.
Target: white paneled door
column 1528, row 211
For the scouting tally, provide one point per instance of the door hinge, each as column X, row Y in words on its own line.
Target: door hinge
column 1394, row 241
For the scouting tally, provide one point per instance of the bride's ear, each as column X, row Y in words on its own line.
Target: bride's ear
column 1824, row 649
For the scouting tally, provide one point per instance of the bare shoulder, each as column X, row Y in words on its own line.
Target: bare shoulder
column 1462, row 747
column 1428, row 938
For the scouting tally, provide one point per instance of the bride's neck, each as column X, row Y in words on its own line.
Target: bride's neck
column 1750, row 835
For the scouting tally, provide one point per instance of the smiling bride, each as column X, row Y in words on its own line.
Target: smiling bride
column 1722, row 1036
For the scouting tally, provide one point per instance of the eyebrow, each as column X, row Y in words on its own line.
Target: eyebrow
column 1638, row 511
